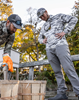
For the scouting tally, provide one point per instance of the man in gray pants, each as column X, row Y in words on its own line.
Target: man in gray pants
column 54, row 30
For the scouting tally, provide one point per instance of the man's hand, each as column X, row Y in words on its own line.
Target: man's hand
column 60, row 35
column 7, row 59
column 45, row 40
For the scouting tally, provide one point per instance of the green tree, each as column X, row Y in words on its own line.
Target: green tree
column 73, row 38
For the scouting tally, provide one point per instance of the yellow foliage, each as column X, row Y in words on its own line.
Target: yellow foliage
column 9, row 1
column 5, row 9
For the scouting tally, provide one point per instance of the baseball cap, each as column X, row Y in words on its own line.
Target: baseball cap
column 16, row 21
column 40, row 12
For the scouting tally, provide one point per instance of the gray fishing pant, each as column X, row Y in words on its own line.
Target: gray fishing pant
column 61, row 56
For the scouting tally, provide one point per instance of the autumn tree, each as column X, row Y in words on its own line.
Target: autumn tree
column 5, row 9
column 29, row 46
column 33, row 22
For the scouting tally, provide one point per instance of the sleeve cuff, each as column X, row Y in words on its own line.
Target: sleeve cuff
column 65, row 31
column 6, row 54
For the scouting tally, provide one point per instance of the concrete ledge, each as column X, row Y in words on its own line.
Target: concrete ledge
column 71, row 95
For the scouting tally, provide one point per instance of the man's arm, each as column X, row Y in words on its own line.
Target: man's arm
column 41, row 37
column 71, row 22
column 8, row 45
column 7, row 51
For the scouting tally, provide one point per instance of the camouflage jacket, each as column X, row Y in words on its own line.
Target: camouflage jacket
column 56, row 24
column 6, row 38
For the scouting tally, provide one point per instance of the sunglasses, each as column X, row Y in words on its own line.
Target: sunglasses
column 17, row 22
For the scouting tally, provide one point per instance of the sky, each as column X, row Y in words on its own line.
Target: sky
column 52, row 6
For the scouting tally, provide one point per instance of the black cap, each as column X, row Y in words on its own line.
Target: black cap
column 16, row 21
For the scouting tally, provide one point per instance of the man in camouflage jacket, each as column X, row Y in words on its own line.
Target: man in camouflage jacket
column 7, row 36
column 54, row 30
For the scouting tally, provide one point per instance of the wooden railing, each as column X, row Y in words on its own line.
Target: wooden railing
column 31, row 65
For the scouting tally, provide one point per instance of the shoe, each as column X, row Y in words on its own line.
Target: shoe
column 59, row 97
column 78, row 97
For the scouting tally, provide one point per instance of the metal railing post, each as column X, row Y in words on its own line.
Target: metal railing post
column 5, row 71
column 31, row 73
column 17, row 73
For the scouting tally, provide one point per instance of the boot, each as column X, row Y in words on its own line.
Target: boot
column 78, row 97
column 59, row 97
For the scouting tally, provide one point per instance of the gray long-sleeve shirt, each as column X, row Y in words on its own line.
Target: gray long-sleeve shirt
column 56, row 24
column 6, row 38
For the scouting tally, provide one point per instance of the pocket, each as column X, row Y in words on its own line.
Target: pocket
column 50, row 54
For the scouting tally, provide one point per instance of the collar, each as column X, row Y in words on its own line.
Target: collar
column 50, row 18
